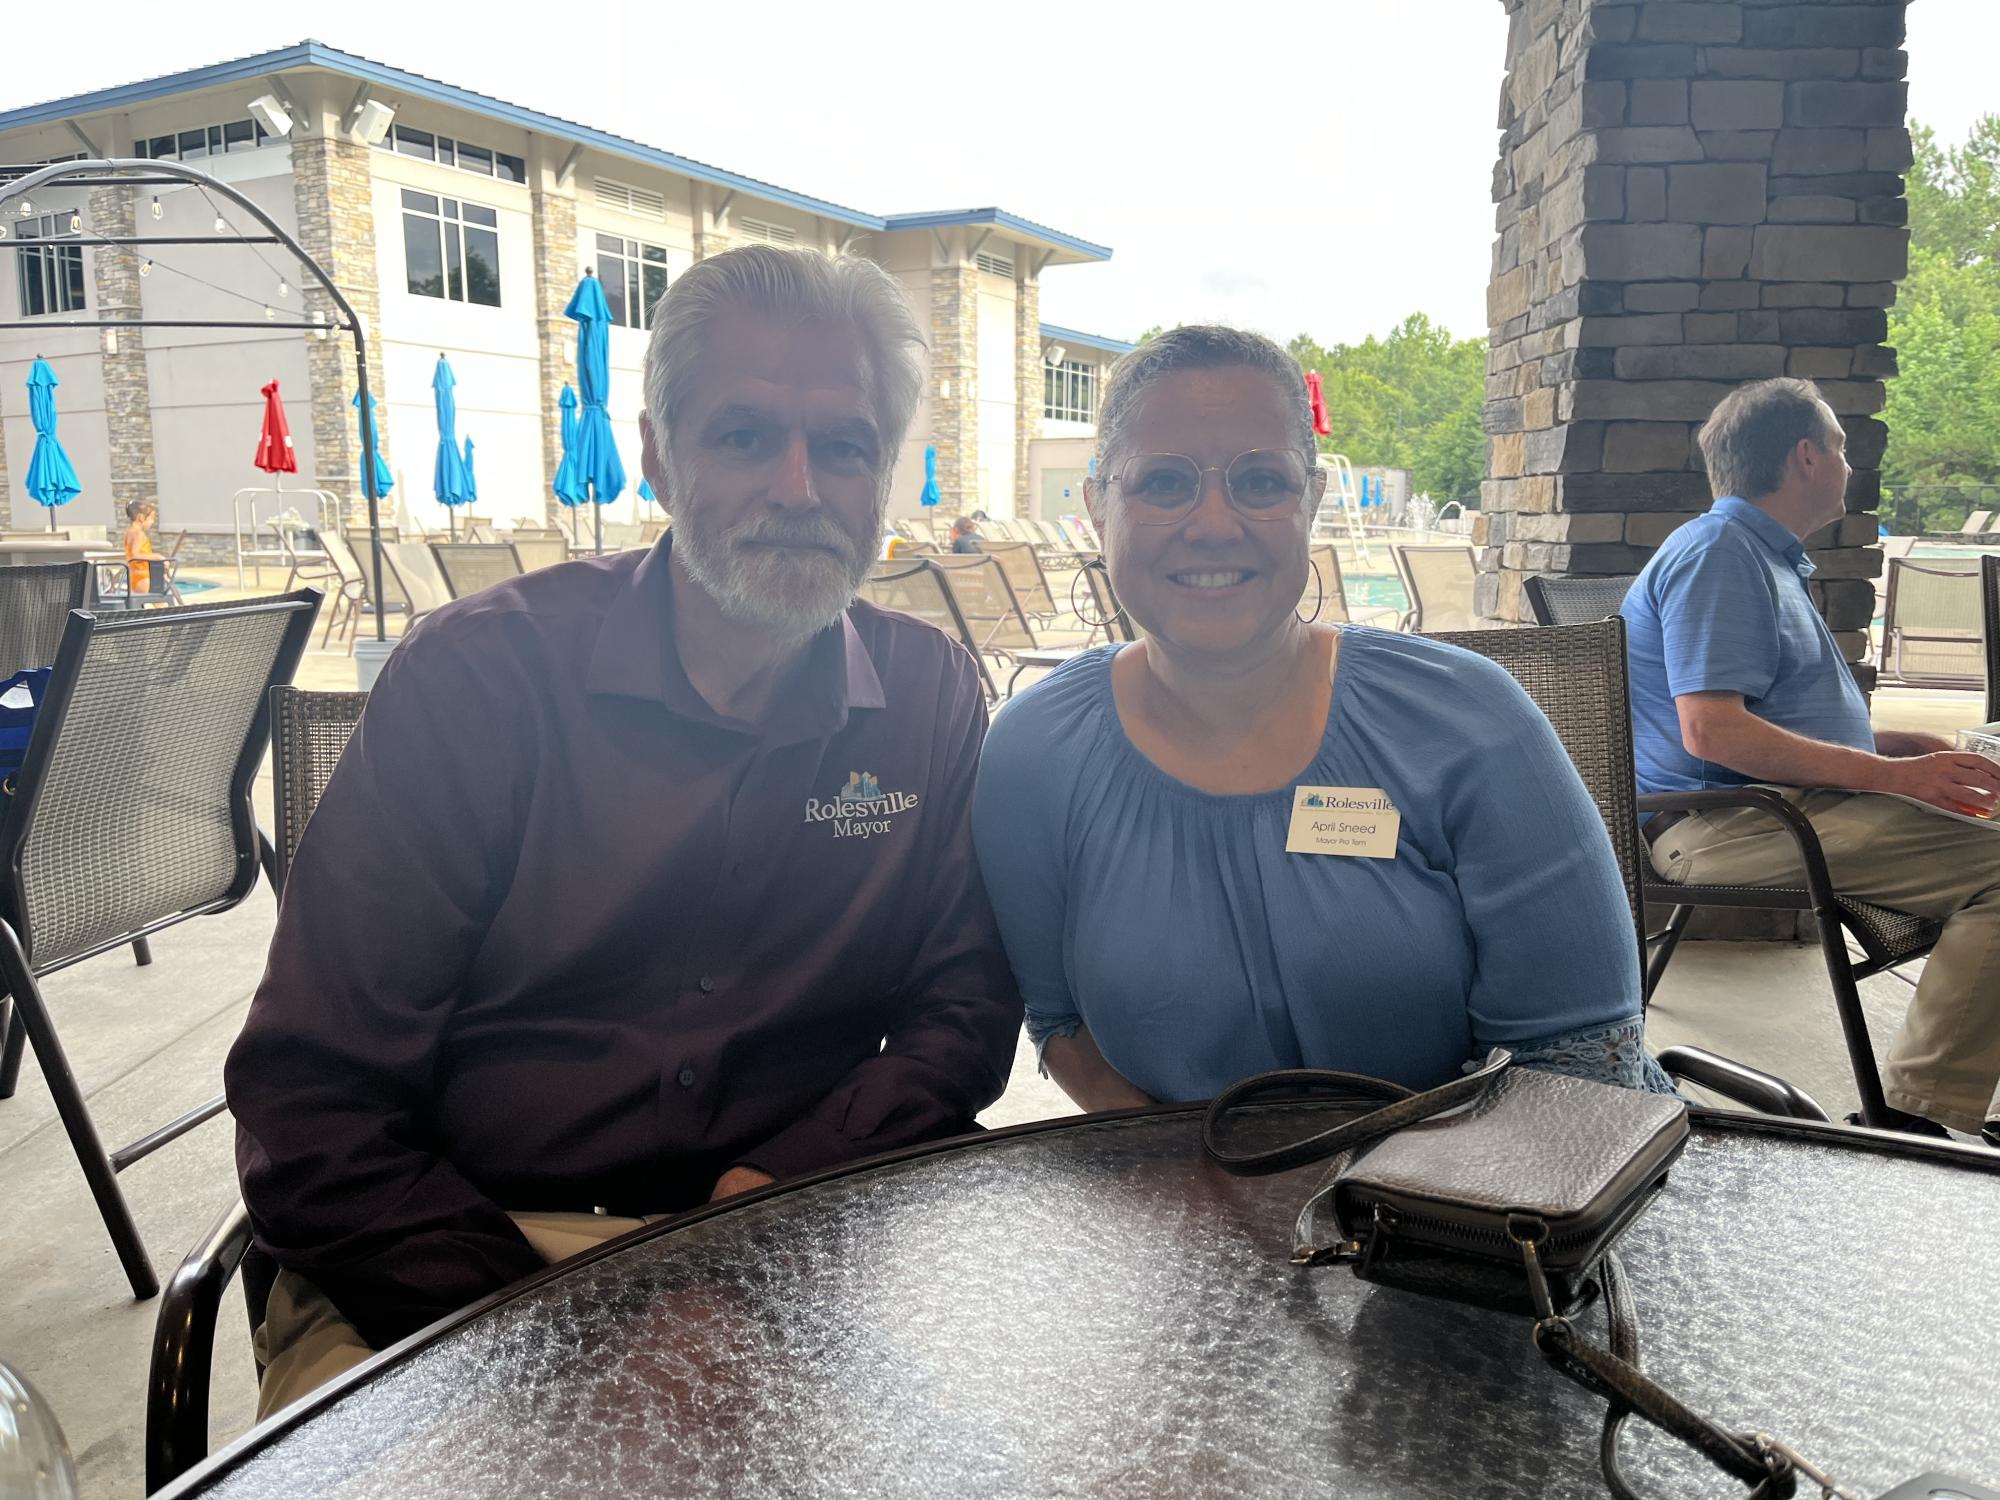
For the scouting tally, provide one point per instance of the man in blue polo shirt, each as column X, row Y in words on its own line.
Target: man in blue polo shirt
column 1736, row 679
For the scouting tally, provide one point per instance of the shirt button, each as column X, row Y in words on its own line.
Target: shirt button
column 687, row 1078
column 707, row 985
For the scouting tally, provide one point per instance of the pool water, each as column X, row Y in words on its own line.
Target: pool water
column 188, row 586
column 1381, row 589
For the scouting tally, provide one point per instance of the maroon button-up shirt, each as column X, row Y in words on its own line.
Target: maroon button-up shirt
column 561, row 936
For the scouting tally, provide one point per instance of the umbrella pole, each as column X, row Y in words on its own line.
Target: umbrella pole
column 52, row 518
column 368, row 452
column 596, row 506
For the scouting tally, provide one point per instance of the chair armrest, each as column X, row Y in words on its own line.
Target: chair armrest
column 184, row 1348
column 1818, row 883
column 1740, row 1083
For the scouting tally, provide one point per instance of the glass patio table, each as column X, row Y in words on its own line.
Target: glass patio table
column 1088, row 1307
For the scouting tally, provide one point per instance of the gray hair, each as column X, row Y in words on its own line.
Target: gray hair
column 806, row 284
column 1198, row 346
column 1754, row 429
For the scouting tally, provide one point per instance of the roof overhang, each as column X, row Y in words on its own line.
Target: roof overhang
column 1062, row 249
column 1075, row 338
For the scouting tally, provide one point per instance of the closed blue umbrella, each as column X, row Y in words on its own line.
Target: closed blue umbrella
column 51, row 479
column 646, row 492
column 471, row 483
column 598, row 467
column 449, row 480
column 384, row 480
column 569, row 486
column 930, row 496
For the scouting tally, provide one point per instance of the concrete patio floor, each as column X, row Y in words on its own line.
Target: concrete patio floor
column 149, row 1043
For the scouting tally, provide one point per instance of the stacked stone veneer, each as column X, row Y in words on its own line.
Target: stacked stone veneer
column 954, row 336
column 333, row 196
column 128, row 389
column 1027, row 385
column 554, row 216
column 1690, row 196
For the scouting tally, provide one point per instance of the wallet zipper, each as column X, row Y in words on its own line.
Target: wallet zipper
column 1386, row 1217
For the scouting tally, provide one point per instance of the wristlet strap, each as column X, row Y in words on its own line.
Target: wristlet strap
column 1404, row 1108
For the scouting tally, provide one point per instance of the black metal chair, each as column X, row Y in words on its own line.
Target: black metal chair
column 308, row 733
column 1576, row 675
column 1554, row 600
column 35, row 602
column 1886, row 938
column 1989, row 617
column 130, row 813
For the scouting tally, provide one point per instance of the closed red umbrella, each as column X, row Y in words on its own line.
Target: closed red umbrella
column 1316, row 394
column 274, row 443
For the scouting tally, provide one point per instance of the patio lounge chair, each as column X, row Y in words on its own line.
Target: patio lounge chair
column 999, row 626
column 1555, row 600
column 468, row 567
column 1023, row 566
column 414, row 571
column 132, row 813
column 1930, row 629
column 540, row 551
column 308, row 733
column 1439, row 582
column 35, row 601
column 1975, row 524
column 1333, row 593
column 915, row 587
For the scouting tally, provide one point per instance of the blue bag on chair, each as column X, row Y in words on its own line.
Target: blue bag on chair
column 18, row 724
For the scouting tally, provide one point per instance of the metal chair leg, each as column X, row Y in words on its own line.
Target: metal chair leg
column 142, row 951
column 1669, row 938
column 10, row 1054
column 1853, row 1020
column 33, row 1016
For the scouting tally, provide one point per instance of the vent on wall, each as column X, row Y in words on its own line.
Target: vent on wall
column 998, row 265
column 770, row 234
column 634, row 200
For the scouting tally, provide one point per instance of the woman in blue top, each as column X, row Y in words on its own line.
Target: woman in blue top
column 1170, row 831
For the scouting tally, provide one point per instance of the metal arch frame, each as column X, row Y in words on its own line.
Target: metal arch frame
column 144, row 172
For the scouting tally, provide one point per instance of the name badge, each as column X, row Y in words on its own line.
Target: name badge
column 1357, row 821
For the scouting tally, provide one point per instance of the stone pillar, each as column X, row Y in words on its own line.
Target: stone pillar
column 556, row 274
column 128, row 389
column 6, row 484
column 954, row 340
column 1027, row 380
column 332, row 193
column 1691, row 196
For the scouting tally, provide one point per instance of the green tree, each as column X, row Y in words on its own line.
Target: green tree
column 1409, row 400
column 1943, row 411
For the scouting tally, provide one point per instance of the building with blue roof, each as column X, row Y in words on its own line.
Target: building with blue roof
column 459, row 224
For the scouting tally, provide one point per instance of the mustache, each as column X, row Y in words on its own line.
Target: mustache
column 811, row 530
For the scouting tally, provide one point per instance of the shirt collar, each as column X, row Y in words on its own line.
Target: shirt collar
column 635, row 658
column 1768, row 529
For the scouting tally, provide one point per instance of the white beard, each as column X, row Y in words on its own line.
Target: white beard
column 797, row 594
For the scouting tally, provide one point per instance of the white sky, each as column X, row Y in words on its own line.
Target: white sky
column 1319, row 165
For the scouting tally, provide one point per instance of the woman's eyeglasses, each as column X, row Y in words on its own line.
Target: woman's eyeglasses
column 1264, row 484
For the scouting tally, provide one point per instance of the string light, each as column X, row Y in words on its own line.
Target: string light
column 156, row 205
column 270, row 314
column 284, row 287
column 27, row 208
column 75, row 223
column 145, row 268
column 221, row 225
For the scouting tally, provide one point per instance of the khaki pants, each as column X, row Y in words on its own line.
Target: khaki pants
column 304, row 1341
column 1945, row 1062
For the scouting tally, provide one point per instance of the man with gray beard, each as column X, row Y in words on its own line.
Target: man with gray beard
column 646, row 879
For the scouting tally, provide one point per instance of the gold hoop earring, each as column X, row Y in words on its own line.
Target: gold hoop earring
column 1319, row 595
column 1077, row 609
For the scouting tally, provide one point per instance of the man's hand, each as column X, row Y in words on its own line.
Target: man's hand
column 739, row 1180
column 1955, row 780
column 1901, row 743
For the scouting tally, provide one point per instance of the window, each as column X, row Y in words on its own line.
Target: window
column 406, row 140
column 51, row 275
column 770, row 234
column 1069, row 392
column 999, row 265
column 634, row 277
column 451, row 249
column 633, row 200
column 209, row 140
